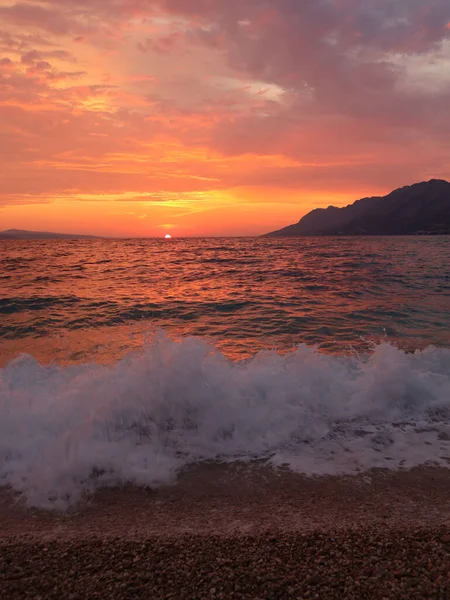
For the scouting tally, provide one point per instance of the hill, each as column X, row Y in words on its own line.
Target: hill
column 21, row 234
column 419, row 209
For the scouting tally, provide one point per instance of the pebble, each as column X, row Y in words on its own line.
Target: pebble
column 366, row 563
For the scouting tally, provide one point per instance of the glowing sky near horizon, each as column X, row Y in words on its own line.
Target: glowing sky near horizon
column 206, row 117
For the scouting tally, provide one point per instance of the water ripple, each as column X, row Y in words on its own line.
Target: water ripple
column 265, row 293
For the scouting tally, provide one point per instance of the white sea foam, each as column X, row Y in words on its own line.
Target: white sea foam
column 66, row 430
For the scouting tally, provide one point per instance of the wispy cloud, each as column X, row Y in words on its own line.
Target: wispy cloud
column 188, row 101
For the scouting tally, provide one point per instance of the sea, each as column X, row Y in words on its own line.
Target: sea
column 127, row 361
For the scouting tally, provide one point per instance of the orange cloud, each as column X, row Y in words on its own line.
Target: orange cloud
column 215, row 117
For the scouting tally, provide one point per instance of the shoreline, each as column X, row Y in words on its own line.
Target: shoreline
column 367, row 564
column 234, row 532
column 218, row 499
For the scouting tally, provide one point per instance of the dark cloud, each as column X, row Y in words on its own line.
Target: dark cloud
column 344, row 90
column 31, row 57
column 340, row 62
column 51, row 19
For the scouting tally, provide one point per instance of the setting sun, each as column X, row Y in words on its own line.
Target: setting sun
column 132, row 119
column 286, row 349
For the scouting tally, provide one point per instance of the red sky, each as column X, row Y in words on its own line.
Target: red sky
column 215, row 117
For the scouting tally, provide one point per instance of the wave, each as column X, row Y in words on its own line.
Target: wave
column 9, row 306
column 68, row 430
column 75, row 313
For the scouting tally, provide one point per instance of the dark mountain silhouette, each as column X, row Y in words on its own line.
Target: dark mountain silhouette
column 422, row 208
column 20, row 234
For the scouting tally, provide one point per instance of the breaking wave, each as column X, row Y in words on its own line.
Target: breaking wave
column 67, row 430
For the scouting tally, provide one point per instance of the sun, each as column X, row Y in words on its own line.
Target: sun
column 168, row 236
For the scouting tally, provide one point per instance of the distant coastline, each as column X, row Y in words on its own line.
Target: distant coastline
column 22, row 234
column 419, row 209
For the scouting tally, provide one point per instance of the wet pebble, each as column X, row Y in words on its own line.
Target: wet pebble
column 351, row 564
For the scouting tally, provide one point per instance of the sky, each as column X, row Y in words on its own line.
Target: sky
column 215, row 117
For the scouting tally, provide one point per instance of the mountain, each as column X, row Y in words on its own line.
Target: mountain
column 20, row 234
column 422, row 208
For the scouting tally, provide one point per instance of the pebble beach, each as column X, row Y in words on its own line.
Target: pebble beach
column 367, row 563
column 236, row 532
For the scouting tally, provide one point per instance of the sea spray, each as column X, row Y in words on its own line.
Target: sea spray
column 67, row 430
